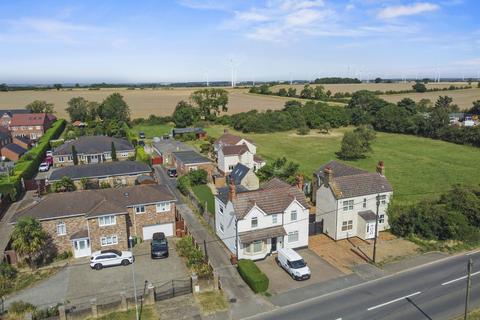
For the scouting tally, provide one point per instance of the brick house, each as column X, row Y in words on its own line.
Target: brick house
column 115, row 173
column 92, row 149
column 31, row 125
column 23, row 142
column 186, row 161
column 5, row 138
column 6, row 116
column 90, row 220
column 12, row 151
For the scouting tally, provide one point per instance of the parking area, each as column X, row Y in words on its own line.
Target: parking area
column 85, row 282
column 280, row 280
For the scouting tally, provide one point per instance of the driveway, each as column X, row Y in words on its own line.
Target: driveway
column 281, row 281
column 78, row 283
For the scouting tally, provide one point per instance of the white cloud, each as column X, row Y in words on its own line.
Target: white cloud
column 251, row 16
column 407, row 10
column 204, row 4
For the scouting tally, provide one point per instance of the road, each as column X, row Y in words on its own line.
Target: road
column 434, row 291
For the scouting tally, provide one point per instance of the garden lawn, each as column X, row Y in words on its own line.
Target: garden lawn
column 416, row 167
column 203, row 194
column 151, row 131
column 148, row 313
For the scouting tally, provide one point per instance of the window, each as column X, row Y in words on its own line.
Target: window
column 163, row 206
column 221, row 227
column 61, row 229
column 293, row 215
column 347, row 225
column 257, row 246
column 293, row 236
column 254, row 222
column 108, row 240
column 230, row 168
column 192, row 168
column 107, row 155
column 61, row 159
column 107, row 221
column 221, row 209
column 381, row 218
column 274, row 219
column 124, row 154
column 69, row 158
column 347, row 205
column 364, row 202
column 139, row 209
column 383, row 199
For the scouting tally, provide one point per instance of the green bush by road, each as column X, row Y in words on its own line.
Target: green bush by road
column 253, row 276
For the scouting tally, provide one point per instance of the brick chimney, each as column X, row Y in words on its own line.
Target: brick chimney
column 328, row 173
column 232, row 192
column 299, row 181
column 381, row 168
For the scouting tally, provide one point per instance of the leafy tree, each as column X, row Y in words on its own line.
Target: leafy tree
column 424, row 105
column 364, row 105
column 303, row 129
column 198, row 177
column 324, row 127
column 378, row 80
column 264, row 89
column 58, row 86
column 29, row 239
column 357, row 143
column 419, row 87
column 207, row 148
column 74, row 156
column 319, row 93
column 185, row 115
column 408, row 104
column 78, row 109
column 280, row 168
column 282, row 92
column 113, row 152
column 475, row 108
column 292, row 104
column 40, row 106
column 292, row 92
column 114, row 108
column 478, row 84
column 64, row 185
column 211, row 102
column 445, row 102
column 307, row 92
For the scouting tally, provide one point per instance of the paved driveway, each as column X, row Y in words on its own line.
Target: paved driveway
column 78, row 283
column 281, row 281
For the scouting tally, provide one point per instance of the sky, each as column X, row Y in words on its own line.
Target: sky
column 53, row 41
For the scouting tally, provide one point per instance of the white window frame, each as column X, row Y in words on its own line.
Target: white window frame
column 231, row 167
column 381, row 218
column 383, row 199
column 256, row 222
column 60, row 159
column 364, row 202
column 61, row 225
column 220, row 209
column 293, row 236
column 347, row 205
column 163, row 206
column 222, row 229
column 109, row 220
column 293, row 215
column 137, row 211
column 124, row 154
column 274, row 219
column 347, row 225
column 109, row 240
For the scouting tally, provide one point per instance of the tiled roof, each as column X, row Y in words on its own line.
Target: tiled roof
column 258, row 159
column 230, row 139
column 368, row 215
column 94, row 145
column 239, row 172
column 339, row 169
column 187, row 130
column 190, row 157
column 29, row 119
column 15, row 148
column 79, row 234
column 92, row 203
column 234, row 150
column 264, row 233
column 275, row 183
column 104, row 169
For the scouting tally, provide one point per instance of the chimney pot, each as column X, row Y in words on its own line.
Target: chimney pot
column 328, row 173
column 381, row 168
column 232, row 192
column 299, row 181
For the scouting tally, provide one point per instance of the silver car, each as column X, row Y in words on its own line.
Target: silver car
column 109, row 258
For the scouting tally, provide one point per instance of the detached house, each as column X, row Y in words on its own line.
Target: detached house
column 31, row 125
column 346, row 200
column 231, row 149
column 254, row 224
column 92, row 149
column 91, row 220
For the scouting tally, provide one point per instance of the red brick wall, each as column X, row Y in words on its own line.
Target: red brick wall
column 150, row 217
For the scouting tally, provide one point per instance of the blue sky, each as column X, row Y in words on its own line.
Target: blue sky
column 163, row 41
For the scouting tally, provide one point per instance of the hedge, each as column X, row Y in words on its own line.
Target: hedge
column 27, row 166
column 141, row 155
column 252, row 275
column 130, row 135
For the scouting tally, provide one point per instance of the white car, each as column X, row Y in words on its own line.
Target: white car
column 108, row 258
column 49, row 153
column 293, row 263
column 44, row 166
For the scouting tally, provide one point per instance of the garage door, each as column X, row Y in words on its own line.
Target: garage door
column 166, row 228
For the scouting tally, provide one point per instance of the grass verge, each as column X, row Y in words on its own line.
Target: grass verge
column 148, row 313
column 211, row 301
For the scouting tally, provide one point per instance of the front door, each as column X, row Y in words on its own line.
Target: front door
column 81, row 248
column 274, row 244
column 370, row 230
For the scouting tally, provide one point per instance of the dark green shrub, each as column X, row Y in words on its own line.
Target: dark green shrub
column 21, row 307
column 198, row 177
column 7, row 271
column 253, row 276
column 183, row 184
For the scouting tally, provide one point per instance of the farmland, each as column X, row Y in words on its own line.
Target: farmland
column 417, row 167
column 142, row 103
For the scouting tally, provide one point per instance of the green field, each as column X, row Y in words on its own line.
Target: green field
column 204, row 194
column 416, row 167
column 152, row 130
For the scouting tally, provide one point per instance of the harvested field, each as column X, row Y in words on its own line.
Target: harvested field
column 142, row 103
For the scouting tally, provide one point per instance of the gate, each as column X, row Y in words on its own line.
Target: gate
column 173, row 289
column 315, row 228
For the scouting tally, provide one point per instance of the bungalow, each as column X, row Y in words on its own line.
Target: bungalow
column 92, row 149
column 91, row 220
column 346, row 200
column 31, row 125
column 254, row 224
column 165, row 147
column 186, row 161
column 115, row 173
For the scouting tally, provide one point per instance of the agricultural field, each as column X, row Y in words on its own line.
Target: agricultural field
column 143, row 103
column 417, row 167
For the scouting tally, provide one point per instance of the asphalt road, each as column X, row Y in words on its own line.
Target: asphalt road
column 435, row 291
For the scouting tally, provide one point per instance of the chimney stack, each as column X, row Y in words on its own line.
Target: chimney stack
column 381, row 168
column 328, row 173
column 232, row 192
column 299, row 181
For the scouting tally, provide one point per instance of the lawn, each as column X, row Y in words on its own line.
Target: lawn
column 416, row 167
column 152, row 130
column 204, row 194
column 147, row 313
column 211, row 301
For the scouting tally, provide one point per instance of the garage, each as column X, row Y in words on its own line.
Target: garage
column 166, row 228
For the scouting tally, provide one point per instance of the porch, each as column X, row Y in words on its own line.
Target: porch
column 257, row 244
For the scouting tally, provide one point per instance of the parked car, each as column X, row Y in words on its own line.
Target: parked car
column 108, row 258
column 49, row 160
column 293, row 263
column 141, row 134
column 49, row 153
column 159, row 246
column 141, row 143
column 172, row 172
column 44, row 167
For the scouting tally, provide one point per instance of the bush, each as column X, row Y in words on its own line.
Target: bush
column 183, row 184
column 7, row 272
column 253, row 276
column 141, row 155
column 198, row 177
column 21, row 307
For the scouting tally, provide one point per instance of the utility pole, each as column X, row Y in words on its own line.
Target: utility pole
column 376, row 231
column 469, row 283
column 205, row 248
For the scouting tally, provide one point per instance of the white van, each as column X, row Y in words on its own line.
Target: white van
column 293, row 263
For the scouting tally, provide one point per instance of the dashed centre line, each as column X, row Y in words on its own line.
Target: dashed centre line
column 393, row 301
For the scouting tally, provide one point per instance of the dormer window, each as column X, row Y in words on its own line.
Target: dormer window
column 254, row 222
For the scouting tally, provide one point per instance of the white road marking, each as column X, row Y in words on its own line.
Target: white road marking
column 392, row 301
column 461, row 278
column 472, row 253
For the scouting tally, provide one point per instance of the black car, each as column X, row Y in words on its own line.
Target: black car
column 141, row 135
column 159, row 246
column 172, row 172
column 141, row 143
